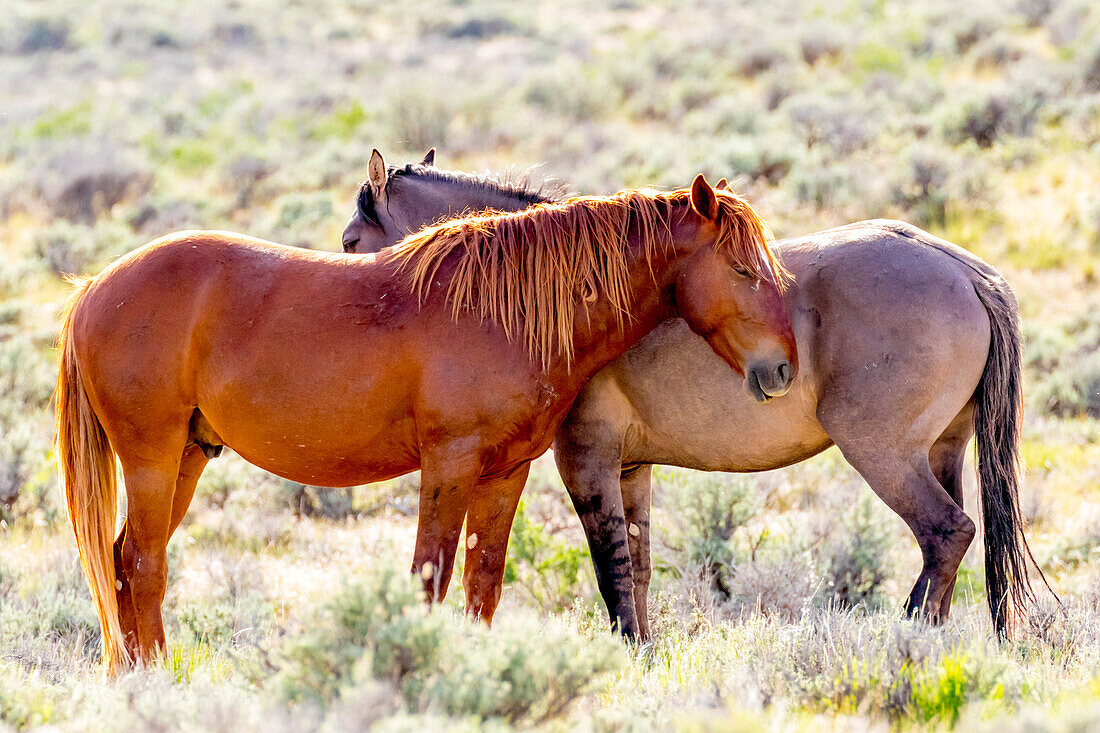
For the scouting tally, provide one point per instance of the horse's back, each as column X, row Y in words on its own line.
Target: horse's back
column 889, row 241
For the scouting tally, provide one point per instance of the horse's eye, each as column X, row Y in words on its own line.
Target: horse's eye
column 742, row 272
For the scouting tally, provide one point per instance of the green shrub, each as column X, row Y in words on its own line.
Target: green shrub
column 1063, row 366
column 56, row 124
column 44, row 34
column 381, row 630
column 821, row 187
column 207, row 623
column 874, row 56
column 318, row 502
column 522, row 672
column 26, row 382
column 1074, row 389
column 382, row 626
column 26, row 703
column 192, row 157
column 342, row 124
column 301, row 218
column 709, row 508
column 759, row 157
column 857, row 558
column 942, row 694
column 986, row 115
column 72, row 249
column 542, row 566
column 50, row 607
column 923, row 691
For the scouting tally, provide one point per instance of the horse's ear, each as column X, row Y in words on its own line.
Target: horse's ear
column 429, row 158
column 703, row 199
column 376, row 173
column 722, row 185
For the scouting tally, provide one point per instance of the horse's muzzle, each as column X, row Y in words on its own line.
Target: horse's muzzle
column 768, row 381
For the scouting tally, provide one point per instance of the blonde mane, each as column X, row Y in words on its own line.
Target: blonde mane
column 527, row 269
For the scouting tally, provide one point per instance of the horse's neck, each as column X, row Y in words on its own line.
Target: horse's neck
column 598, row 338
column 460, row 195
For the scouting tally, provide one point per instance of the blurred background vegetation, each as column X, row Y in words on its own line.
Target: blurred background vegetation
column 123, row 121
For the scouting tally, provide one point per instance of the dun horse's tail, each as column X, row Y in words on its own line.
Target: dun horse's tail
column 997, row 427
column 88, row 470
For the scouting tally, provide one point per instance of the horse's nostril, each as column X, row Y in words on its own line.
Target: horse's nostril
column 784, row 371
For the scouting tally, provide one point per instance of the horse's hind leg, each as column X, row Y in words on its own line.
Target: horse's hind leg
column 942, row 529
column 946, row 458
column 190, row 469
column 636, row 484
column 149, row 490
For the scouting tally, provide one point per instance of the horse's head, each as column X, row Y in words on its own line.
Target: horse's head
column 396, row 202
column 729, row 292
column 384, row 213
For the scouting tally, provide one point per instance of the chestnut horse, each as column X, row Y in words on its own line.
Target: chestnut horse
column 909, row 346
column 458, row 352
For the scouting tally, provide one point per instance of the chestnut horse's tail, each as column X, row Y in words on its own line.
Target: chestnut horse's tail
column 88, row 469
column 997, row 431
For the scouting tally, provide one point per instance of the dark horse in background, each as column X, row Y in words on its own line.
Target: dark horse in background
column 458, row 352
column 909, row 346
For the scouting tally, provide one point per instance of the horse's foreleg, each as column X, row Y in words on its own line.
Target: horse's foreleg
column 488, row 525
column 591, row 471
column 445, row 486
column 636, row 485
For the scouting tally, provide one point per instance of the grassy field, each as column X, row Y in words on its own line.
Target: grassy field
column 288, row 606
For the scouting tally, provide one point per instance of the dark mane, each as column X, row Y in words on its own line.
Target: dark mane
column 519, row 187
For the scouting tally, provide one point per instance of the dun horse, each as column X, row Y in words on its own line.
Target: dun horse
column 909, row 347
column 458, row 352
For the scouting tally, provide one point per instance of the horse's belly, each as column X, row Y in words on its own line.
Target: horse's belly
column 316, row 438
column 737, row 435
column 327, row 466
